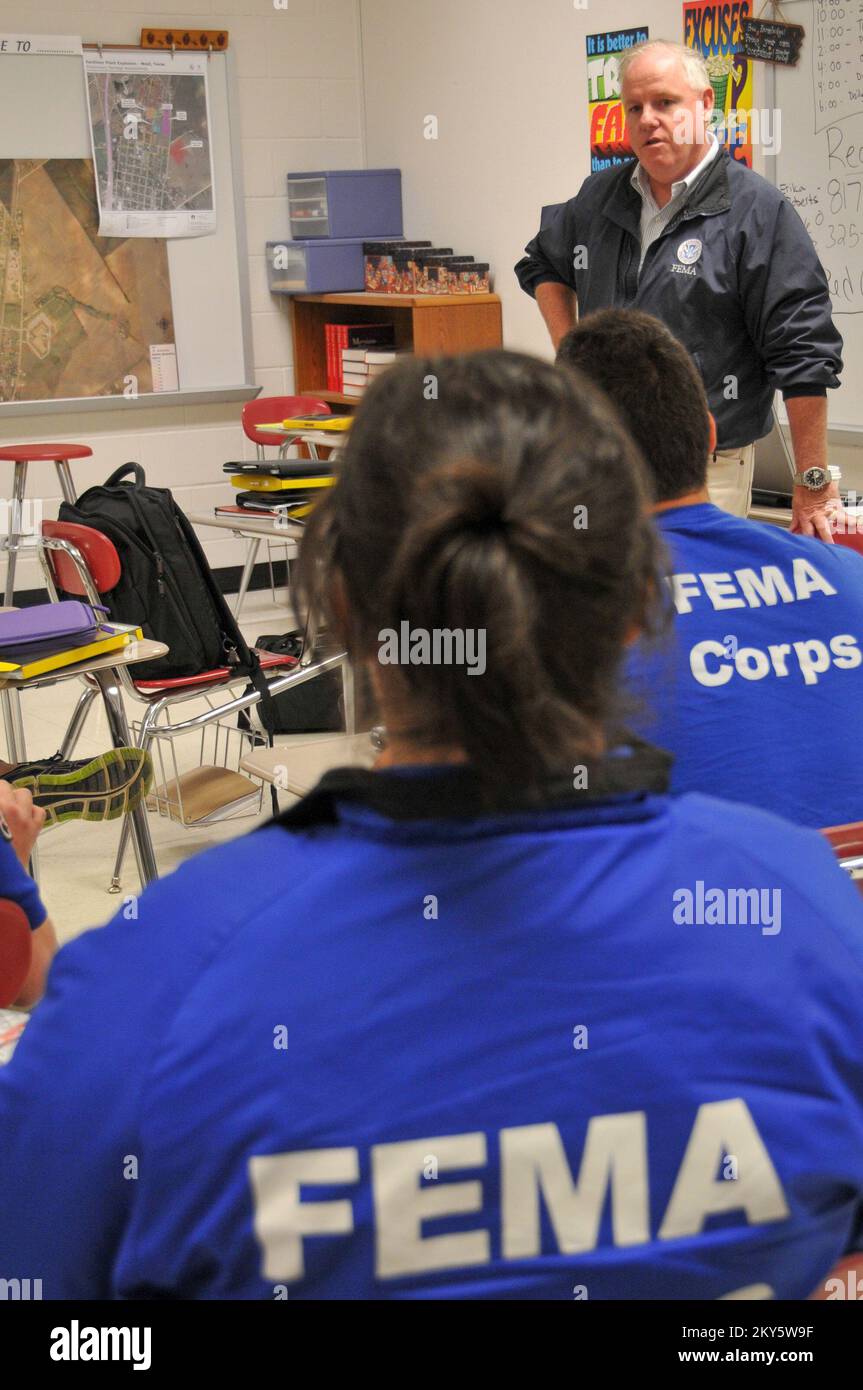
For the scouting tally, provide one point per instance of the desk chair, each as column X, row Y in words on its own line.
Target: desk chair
column 297, row 765
column 268, row 410
column 847, row 844
column 852, row 540
column 21, row 455
column 81, row 561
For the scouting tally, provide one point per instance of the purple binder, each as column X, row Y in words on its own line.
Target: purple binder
column 50, row 624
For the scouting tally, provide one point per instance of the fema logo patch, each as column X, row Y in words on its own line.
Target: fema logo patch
column 688, row 252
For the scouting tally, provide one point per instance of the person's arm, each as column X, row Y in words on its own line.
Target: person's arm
column 557, row 304
column 786, row 304
column 44, row 940
column 547, row 270
column 811, row 511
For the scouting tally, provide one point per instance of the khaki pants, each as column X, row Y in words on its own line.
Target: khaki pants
column 729, row 479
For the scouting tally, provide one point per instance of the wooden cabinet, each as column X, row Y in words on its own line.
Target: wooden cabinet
column 426, row 324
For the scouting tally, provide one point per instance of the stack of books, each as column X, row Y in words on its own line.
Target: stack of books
column 287, row 486
column 38, row 658
column 353, row 336
column 416, row 267
column 359, row 368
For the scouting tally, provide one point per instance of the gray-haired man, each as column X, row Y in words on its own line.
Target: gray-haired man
column 720, row 256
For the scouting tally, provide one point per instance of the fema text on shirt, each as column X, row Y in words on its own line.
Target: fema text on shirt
column 534, row 1172
column 714, row 663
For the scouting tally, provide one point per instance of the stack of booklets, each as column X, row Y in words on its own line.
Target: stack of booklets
column 360, row 367
column 288, row 486
column 23, row 661
column 353, row 336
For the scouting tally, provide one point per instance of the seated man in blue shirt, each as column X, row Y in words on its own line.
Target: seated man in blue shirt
column 499, row 1018
column 20, row 824
column 765, row 656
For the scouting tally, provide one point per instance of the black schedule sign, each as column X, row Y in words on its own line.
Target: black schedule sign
column 771, row 41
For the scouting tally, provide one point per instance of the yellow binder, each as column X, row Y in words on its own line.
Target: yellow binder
column 117, row 635
column 263, row 482
column 332, row 424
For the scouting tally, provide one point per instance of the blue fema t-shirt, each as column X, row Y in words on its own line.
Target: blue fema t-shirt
column 758, row 692
column 609, row 1052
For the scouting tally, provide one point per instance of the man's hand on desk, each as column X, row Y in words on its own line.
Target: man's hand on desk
column 813, row 512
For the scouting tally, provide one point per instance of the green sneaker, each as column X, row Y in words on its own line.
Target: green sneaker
column 94, row 789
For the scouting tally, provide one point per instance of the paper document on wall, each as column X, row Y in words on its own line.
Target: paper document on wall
column 163, row 360
column 150, row 132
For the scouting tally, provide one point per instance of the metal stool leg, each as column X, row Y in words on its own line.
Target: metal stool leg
column 121, row 738
column 76, row 723
column 252, row 555
column 18, row 754
column 19, row 751
column 348, row 697
column 123, row 843
column 14, row 537
column 8, row 725
column 67, row 487
column 122, row 846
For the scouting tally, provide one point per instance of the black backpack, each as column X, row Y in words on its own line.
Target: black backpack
column 316, row 706
column 166, row 586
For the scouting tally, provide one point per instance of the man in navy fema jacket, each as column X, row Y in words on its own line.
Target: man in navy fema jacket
column 721, row 257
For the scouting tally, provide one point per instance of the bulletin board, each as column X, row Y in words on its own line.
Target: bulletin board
column 172, row 316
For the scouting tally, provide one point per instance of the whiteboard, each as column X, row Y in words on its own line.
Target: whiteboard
column 819, row 167
column 43, row 114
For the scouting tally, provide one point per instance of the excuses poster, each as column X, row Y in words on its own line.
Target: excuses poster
column 608, row 144
column 714, row 31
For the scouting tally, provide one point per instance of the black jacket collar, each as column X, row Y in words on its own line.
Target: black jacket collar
column 709, row 195
column 454, row 792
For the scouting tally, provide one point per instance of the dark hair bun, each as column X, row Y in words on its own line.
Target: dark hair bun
column 454, row 512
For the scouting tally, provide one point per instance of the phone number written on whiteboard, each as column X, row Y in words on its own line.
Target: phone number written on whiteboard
column 832, row 212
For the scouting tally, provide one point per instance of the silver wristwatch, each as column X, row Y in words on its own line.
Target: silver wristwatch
column 816, row 477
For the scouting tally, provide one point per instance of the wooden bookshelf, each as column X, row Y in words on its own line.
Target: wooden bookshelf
column 428, row 324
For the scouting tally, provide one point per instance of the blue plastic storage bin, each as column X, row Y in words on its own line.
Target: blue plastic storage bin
column 345, row 203
column 316, row 267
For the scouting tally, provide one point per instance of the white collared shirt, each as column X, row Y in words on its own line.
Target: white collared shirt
column 655, row 219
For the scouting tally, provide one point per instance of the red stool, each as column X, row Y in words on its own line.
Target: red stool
column 21, row 455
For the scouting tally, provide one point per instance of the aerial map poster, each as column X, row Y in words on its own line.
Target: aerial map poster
column 80, row 314
column 150, row 129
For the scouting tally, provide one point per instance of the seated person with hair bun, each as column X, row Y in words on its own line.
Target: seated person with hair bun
column 464, row 1025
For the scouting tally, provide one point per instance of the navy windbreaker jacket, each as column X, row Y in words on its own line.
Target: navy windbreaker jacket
column 735, row 276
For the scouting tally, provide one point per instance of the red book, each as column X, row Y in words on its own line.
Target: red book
column 341, row 336
column 359, row 335
column 331, row 371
